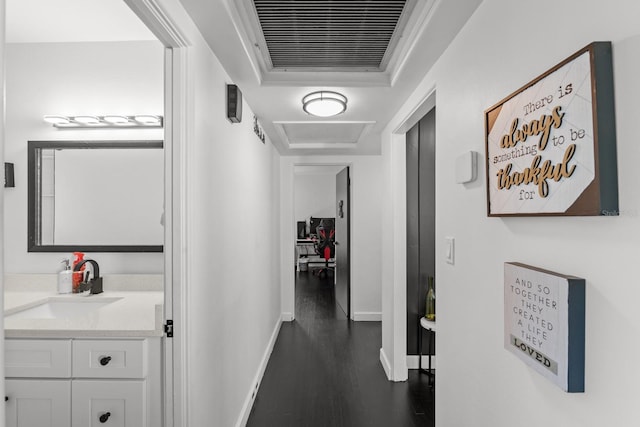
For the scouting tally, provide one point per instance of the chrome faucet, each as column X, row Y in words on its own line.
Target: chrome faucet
column 93, row 285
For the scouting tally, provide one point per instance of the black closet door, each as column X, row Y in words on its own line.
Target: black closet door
column 413, row 236
column 420, row 220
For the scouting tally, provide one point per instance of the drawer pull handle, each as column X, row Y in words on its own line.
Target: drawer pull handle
column 6, row 398
column 104, row 417
column 104, row 361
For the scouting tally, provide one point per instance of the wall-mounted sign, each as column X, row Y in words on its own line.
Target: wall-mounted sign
column 544, row 323
column 551, row 145
column 257, row 129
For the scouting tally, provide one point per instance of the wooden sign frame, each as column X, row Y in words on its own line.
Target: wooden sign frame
column 551, row 145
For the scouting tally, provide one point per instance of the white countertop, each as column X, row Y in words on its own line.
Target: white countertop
column 130, row 314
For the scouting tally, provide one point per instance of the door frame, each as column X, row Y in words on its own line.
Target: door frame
column 288, row 229
column 395, row 257
column 159, row 21
column 2, row 139
column 162, row 19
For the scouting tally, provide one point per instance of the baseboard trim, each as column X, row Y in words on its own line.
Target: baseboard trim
column 385, row 364
column 251, row 395
column 287, row 317
column 367, row 316
column 412, row 362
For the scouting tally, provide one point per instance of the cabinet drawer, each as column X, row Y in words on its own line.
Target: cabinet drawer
column 109, row 359
column 114, row 403
column 37, row 358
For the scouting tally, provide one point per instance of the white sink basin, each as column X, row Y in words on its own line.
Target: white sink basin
column 62, row 309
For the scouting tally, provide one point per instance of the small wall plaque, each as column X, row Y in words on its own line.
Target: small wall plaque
column 544, row 317
column 257, row 129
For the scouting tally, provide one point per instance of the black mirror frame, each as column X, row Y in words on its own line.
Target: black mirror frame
column 32, row 243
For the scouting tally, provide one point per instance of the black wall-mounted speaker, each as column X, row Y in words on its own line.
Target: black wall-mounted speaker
column 9, row 180
column 234, row 104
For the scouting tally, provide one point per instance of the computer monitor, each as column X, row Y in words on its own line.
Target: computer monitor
column 302, row 229
column 314, row 223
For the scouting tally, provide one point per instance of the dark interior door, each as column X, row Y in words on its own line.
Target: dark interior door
column 421, row 221
column 343, row 287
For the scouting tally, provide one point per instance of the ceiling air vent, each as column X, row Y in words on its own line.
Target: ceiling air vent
column 329, row 34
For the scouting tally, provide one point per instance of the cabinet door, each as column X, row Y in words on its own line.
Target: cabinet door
column 42, row 403
column 113, row 403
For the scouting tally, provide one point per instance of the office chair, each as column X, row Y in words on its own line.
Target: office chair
column 325, row 245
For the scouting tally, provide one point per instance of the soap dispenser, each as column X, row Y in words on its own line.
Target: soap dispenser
column 65, row 278
column 78, row 276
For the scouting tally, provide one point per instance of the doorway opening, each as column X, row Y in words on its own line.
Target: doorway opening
column 421, row 236
column 100, row 60
column 321, row 210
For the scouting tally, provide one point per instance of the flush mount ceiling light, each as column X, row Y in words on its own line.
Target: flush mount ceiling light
column 106, row 121
column 324, row 103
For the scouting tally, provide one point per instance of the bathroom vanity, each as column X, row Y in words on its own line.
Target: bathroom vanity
column 80, row 360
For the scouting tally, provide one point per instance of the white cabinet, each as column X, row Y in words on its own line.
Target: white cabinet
column 37, row 358
column 83, row 382
column 42, row 403
column 110, row 359
column 111, row 403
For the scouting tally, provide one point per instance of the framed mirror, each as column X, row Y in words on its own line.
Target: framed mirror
column 95, row 196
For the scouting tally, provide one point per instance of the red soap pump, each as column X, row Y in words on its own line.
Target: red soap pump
column 77, row 275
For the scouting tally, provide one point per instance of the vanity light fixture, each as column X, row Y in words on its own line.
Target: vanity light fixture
column 147, row 119
column 106, row 121
column 57, row 120
column 324, row 103
column 116, row 120
column 87, row 120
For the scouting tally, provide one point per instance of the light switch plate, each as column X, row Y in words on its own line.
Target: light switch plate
column 449, row 250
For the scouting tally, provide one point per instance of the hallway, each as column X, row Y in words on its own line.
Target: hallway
column 324, row 372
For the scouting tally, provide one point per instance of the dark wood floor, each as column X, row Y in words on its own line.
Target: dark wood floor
column 325, row 372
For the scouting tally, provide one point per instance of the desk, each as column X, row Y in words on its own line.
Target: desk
column 429, row 326
column 305, row 248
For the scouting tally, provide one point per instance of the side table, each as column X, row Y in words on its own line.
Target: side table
column 430, row 327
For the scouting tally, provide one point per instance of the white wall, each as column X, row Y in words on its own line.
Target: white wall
column 366, row 251
column 503, row 46
column 74, row 78
column 231, row 247
column 314, row 195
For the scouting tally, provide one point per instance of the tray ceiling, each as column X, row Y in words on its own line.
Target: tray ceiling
column 329, row 34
